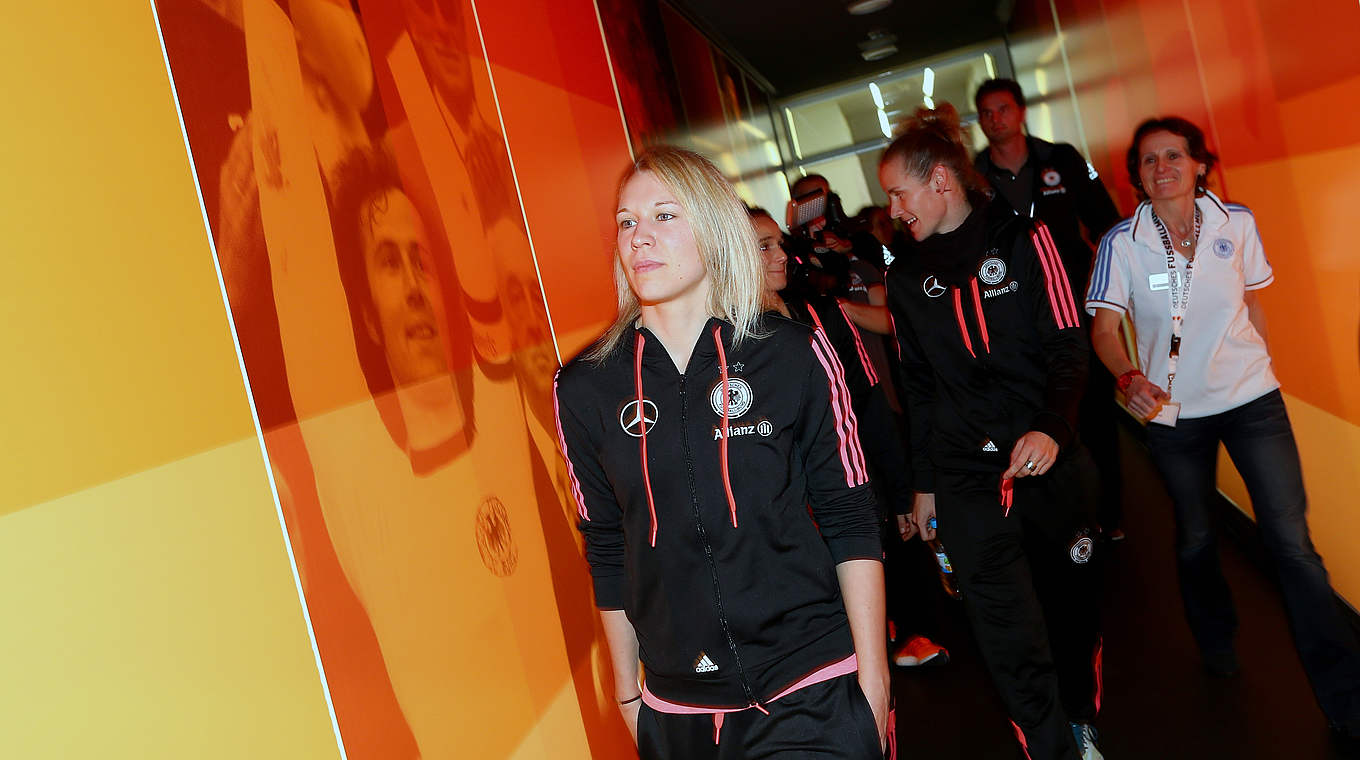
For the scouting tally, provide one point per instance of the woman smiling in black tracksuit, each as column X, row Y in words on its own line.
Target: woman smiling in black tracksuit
column 697, row 432
column 994, row 360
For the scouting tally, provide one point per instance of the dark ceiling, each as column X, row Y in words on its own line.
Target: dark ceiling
column 800, row 45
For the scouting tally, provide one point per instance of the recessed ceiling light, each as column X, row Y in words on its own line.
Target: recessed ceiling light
column 865, row 7
column 880, row 45
column 878, row 53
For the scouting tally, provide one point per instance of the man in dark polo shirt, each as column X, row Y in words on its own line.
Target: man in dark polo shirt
column 1052, row 182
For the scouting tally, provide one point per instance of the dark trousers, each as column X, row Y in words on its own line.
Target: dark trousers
column 830, row 721
column 912, row 585
column 1099, row 429
column 910, row 604
column 1030, row 585
column 1261, row 444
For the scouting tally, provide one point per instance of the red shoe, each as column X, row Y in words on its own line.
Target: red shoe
column 920, row 651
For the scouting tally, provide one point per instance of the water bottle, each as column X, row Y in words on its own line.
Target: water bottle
column 947, row 577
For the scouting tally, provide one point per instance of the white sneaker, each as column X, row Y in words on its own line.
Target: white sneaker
column 1087, row 737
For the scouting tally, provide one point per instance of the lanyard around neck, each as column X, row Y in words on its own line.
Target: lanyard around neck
column 1180, row 297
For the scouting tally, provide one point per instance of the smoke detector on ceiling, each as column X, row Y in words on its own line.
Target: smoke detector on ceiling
column 865, row 7
column 880, row 45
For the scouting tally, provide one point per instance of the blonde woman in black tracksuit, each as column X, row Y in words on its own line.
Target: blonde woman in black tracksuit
column 698, row 431
column 994, row 362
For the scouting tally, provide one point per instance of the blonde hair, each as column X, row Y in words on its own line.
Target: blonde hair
column 722, row 233
column 933, row 137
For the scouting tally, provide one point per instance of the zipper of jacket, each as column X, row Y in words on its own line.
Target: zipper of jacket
column 708, row 548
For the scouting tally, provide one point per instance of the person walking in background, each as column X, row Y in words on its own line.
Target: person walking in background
column 1185, row 268
column 994, row 359
column 1052, row 182
column 697, row 432
column 911, row 602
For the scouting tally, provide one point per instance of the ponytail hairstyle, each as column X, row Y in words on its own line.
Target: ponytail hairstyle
column 722, row 232
column 931, row 138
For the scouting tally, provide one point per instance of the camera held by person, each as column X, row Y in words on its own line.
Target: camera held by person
column 815, row 214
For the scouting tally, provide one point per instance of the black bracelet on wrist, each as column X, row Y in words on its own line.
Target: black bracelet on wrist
column 630, row 701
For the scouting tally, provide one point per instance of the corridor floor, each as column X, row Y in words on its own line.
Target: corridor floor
column 1158, row 702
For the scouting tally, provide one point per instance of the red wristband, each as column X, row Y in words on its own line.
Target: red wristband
column 1126, row 379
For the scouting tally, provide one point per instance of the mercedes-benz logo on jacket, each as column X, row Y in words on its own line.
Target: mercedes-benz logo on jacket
column 931, row 285
column 631, row 420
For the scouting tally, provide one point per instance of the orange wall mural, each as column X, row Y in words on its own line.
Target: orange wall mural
column 390, row 273
column 1275, row 91
column 353, row 538
column 291, row 422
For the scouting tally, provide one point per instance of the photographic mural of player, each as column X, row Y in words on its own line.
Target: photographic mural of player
column 379, row 275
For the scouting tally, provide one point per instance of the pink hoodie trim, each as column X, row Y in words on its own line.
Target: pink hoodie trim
column 571, row 470
column 963, row 325
column 859, row 345
column 1055, row 279
column 726, row 425
column 638, row 343
column 981, row 318
column 847, row 426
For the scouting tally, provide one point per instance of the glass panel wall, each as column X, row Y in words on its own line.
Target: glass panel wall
column 840, row 131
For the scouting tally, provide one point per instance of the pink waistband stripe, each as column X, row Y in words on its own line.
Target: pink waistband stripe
column 834, row 670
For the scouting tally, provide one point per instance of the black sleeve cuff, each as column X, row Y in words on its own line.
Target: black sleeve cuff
column 846, row 548
column 1054, row 426
column 609, row 592
column 923, row 481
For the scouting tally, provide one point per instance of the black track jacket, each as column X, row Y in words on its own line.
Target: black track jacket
column 877, row 428
column 733, row 599
column 1066, row 196
column 992, row 343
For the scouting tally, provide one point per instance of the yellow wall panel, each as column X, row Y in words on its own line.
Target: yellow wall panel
column 153, row 617
column 119, row 352
column 1312, row 308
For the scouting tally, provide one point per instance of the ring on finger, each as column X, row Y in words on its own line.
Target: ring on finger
column 1030, row 465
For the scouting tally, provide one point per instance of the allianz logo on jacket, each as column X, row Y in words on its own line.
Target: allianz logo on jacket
column 762, row 428
column 1001, row 291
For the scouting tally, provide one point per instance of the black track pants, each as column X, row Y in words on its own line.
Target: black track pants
column 829, row 721
column 915, row 599
column 1031, row 590
column 1099, row 425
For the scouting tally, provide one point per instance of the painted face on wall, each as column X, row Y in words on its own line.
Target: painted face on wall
column 331, row 42
column 535, row 359
column 1165, row 167
column 772, row 256
column 407, row 308
column 656, row 245
column 1000, row 117
column 912, row 200
column 439, row 33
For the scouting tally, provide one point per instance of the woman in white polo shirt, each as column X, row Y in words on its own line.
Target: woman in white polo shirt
column 1185, row 268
